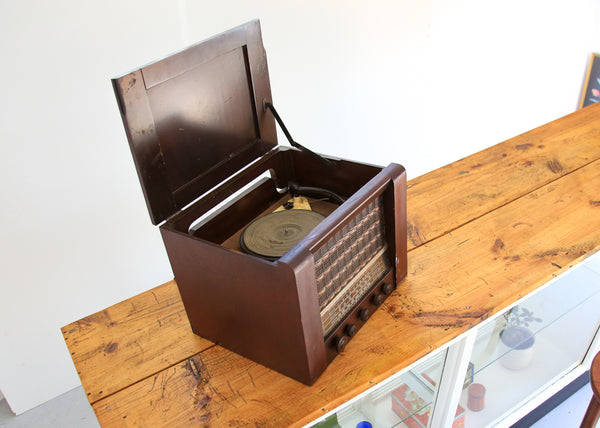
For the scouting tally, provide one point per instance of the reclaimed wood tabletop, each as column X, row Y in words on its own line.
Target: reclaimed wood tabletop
column 483, row 231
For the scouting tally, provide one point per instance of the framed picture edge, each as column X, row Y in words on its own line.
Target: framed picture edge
column 586, row 82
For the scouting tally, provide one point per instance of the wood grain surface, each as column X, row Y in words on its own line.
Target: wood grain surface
column 449, row 197
column 454, row 283
column 484, row 232
column 131, row 340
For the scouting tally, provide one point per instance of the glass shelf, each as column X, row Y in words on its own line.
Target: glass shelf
column 563, row 317
column 405, row 400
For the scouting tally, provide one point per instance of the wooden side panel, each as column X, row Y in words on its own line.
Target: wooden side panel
column 262, row 322
column 453, row 283
column 131, row 340
column 399, row 225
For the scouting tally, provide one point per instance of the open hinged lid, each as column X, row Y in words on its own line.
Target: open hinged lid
column 196, row 117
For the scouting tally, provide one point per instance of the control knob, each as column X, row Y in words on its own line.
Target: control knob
column 378, row 299
column 351, row 330
column 364, row 314
column 387, row 288
column 340, row 344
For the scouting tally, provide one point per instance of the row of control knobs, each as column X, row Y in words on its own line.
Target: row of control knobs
column 363, row 314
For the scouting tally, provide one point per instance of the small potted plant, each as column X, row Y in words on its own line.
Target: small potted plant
column 516, row 340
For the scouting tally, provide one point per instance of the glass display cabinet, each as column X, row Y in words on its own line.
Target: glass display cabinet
column 402, row 400
column 533, row 344
column 498, row 371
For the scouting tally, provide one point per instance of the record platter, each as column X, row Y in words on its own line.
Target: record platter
column 274, row 234
column 279, row 254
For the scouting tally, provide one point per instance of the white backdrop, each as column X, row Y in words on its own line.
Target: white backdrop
column 419, row 82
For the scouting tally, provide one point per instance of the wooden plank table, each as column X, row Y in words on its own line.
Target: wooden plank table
column 483, row 232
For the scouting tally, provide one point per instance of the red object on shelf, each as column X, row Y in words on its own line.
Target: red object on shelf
column 476, row 399
column 415, row 411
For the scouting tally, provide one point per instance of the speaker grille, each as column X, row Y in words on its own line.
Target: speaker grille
column 343, row 256
column 345, row 301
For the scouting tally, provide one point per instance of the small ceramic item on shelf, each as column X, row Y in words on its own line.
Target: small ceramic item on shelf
column 476, row 399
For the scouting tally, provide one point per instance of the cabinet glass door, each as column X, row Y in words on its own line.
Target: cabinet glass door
column 532, row 345
column 404, row 400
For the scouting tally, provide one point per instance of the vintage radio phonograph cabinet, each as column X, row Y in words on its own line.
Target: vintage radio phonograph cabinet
column 280, row 254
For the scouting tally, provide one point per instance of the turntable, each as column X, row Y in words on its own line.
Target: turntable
column 274, row 234
column 280, row 254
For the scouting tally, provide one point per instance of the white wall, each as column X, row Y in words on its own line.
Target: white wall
column 421, row 83
column 75, row 236
column 595, row 42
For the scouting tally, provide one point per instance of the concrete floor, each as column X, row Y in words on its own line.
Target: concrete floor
column 71, row 410
column 570, row 413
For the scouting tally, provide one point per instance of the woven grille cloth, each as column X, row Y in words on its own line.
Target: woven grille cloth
column 348, row 251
